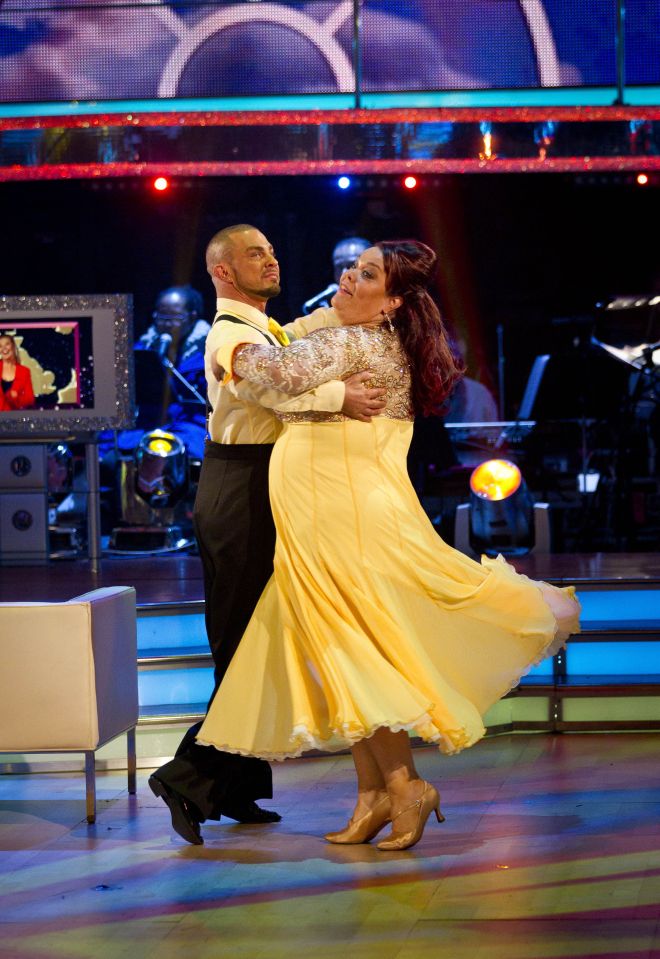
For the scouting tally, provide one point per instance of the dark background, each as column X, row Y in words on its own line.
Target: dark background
column 518, row 250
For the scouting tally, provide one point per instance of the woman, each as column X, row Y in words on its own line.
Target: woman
column 17, row 392
column 371, row 627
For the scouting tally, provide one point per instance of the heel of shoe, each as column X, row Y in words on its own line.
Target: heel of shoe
column 438, row 814
column 157, row 787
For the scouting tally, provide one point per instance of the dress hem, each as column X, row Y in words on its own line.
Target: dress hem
column 449, row 741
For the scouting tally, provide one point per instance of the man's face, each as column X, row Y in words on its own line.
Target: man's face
column 172, row 315
column 251, row 265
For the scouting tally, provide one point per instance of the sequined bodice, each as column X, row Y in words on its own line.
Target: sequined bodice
column 329, row 354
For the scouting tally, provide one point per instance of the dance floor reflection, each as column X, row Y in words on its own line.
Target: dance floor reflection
column 551, row 849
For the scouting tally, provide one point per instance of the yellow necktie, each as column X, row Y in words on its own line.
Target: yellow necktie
column 278, row 332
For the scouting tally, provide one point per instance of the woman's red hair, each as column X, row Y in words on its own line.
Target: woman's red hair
column 409, row 267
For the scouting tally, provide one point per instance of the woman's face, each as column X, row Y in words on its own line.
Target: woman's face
column 6, row 349
column 361, row 297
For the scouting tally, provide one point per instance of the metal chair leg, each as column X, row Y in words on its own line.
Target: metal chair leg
column 131, row 760
column 90, row 784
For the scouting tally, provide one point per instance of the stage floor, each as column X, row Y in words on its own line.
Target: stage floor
column 551, row 848
column 178, row 578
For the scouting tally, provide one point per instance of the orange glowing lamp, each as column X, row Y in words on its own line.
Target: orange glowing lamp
column 495, row 480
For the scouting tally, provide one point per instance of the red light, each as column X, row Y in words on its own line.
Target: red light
column 161, row 183
column 642, row 179
column 410, row 182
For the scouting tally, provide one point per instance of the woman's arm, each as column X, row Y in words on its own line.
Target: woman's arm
column 327, row 354
column 26, row 392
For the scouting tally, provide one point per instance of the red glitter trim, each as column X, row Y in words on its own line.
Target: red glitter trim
column 333, row 117
column 73, row 171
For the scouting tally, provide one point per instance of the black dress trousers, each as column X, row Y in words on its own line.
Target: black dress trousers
column 236, row 537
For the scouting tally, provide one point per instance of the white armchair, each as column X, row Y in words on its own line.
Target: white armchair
column 68, row 678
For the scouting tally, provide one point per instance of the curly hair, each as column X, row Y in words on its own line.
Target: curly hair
column 409, row 267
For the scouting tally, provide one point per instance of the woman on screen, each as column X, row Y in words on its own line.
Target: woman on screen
column 17, row 392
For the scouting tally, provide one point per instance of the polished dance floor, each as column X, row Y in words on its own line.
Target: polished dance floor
column 551, row 849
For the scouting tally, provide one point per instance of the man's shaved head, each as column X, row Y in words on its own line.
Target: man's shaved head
column 220, row 245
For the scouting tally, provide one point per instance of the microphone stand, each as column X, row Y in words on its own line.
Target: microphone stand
column 164, row 344
column 181, row 378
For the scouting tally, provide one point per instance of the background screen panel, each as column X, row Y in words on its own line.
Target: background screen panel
column 94, row 49
column 117, row 49
column 485, row 44
column 643, row 42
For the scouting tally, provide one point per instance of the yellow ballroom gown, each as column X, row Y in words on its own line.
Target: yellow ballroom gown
column 370, row 619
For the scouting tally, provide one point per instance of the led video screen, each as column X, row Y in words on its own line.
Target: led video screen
column 55, row 50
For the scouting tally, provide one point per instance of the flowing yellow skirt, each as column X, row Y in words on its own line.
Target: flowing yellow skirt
column 370, row 619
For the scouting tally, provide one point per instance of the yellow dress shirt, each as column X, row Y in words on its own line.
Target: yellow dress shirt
column 243, row 412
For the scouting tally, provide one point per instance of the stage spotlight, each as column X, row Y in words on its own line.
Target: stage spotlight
column 153, row 483
column 495, row 480
column 501, row 516
column 161, row 474
column 642, row 179
column 161, row 184
column 410, row 182
column 344, row 182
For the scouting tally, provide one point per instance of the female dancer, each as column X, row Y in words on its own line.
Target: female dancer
column 371, row 626
column 17, row 392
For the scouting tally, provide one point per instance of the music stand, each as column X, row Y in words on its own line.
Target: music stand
column 532, row 387
column 152, row 390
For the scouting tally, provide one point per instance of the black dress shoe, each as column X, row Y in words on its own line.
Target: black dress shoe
column 183, row 821
column 248, row 812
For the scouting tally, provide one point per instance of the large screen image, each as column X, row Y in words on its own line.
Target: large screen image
column 113, row 49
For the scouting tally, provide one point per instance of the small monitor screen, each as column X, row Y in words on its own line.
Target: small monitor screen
column 66, row 364
column 58, row 359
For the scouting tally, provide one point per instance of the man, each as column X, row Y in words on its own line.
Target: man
column 178, row 330
column 232, row 517
column 177, row 334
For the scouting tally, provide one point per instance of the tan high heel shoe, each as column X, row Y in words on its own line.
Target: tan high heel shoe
column 428, row 802
column 366, row 827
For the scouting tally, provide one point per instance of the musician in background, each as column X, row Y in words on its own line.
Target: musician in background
column 470, row 401
column 178, row 332
column 431, row 445
column 177, row 335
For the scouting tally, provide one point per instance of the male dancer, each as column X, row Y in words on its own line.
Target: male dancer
column 232, row 517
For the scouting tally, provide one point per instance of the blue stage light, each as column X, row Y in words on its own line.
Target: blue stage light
column 344, row 182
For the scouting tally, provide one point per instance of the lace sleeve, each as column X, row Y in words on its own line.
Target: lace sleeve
column 328, row 354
